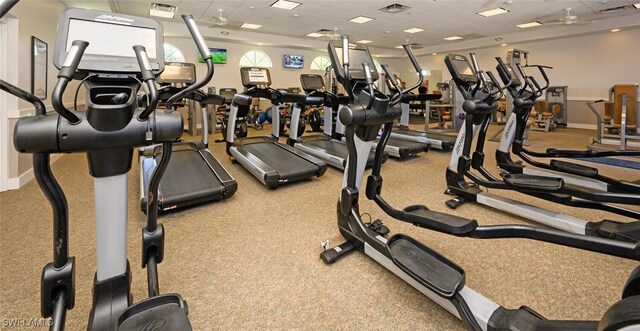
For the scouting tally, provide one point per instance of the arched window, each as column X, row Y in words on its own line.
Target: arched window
column 173, row 54
column 320, row 63
column 255, row 59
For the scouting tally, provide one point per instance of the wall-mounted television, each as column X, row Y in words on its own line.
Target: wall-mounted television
column 293, row 61
column 218, row 55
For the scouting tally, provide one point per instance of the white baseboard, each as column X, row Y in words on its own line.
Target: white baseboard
column 17, row 182
column 582, row 126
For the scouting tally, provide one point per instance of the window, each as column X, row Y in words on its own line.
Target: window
column 173, row 54
column 320, row 63
column 255, row 59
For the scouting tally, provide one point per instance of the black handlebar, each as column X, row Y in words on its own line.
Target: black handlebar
column 206, row 55
column 68, row 70
column 197, row 36
column 412, row 57
column 6, row 5
column 149, row 78
column 395, row 84
column 24, row 95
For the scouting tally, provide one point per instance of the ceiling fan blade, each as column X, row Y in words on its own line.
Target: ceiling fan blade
column 488, row 3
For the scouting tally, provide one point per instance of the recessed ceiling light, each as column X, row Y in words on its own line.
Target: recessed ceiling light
column 615, row 30
column 250, row 26
column 453, row 38
column 361, row 19
column 314, row 35
column 400, row 47
column 413, row 30
column 285, row 4
column 493, row 12
column 162, row 10
column 364, row 41
column 637, row 5
column 528, row 25
column 503, row 45
column 434, row 53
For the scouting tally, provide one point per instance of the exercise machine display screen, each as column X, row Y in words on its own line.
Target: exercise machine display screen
column 107, row 39
column 178, row 72
column 462, row 67
column 111, row 38
column 312, row 82
column 358, row 56
column 255, row 76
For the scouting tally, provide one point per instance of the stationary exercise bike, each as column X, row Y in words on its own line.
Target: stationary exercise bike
column 431, row 273
column 108, row 131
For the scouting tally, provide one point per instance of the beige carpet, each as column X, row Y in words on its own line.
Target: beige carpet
column 251, row 262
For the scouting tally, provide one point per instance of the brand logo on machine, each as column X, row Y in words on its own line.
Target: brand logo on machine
column 155, row 325
column 118, row 19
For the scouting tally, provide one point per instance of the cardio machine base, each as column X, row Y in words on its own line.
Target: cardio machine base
column 165, row 312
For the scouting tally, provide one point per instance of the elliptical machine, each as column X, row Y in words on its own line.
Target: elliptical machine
column 464, row 158
column 109, row 130
column 524, row 94
column 431, row 273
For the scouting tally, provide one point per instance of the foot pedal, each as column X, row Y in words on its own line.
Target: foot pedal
column 426, row 266
column 165, row 312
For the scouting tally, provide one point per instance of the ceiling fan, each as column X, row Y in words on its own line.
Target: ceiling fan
column 569, row 19
column 329, row 34
column 221, row 21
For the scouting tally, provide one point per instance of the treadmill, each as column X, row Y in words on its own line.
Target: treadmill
column 402, row 149
column 323, row 146
column 272, row 162
column 438, row 141
column 193, row 175
column 441, row 142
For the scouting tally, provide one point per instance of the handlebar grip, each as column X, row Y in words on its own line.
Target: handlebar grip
column 71, row 62
column 5, row 6
column 345, row 51
column 143, row 62
column 412, row 57
column 197, row 36
column 390, row 76
column 367, row 73
column 474, row 62
column 535, row 83
column 502, row 64
column 493, row 79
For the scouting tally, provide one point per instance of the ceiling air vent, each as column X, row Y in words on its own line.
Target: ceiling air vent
column 394, row 9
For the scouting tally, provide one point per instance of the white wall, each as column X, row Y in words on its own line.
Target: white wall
column 588, row 65
column 228, row 75
column 37, row 19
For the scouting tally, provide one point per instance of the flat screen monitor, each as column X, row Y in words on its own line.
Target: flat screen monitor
column 312, row 83
column 252, row 76
column 177, row 73
column 111, row 39
column 293, row 61
column 358, row 56
column 462, row 67
column 218, row 56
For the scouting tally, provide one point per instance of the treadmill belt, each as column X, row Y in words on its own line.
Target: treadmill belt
column 189, row 178
column 331, row 147
column 337, row 149
column 411, row 145
column 285, row 163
